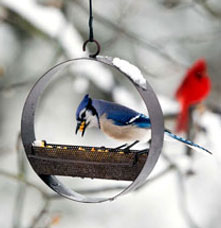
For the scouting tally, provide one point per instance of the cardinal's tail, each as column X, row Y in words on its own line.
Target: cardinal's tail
column 182, row 119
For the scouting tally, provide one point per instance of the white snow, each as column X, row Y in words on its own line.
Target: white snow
column 99, row 74
column 168, row 105
column 38, row 143
column 132, row 71
column 212, row 123
column 81, row 85
column 124, row 96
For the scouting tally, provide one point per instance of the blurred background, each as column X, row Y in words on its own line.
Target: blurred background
column 163, row 38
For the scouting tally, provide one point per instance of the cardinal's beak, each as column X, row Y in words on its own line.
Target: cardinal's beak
column 81, row 126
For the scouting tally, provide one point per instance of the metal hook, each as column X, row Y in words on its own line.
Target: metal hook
column 98, row 47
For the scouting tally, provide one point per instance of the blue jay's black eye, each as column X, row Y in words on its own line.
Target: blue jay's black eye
column 82, row 117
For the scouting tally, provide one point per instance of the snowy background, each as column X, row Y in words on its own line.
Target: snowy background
column 163, row 38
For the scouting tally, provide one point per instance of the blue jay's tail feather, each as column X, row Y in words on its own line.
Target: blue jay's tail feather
column 186, row 142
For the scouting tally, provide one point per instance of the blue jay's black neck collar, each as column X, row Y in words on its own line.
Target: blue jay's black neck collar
column 93, row 110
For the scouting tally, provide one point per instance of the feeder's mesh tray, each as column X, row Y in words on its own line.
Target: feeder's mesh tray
column 91, row 162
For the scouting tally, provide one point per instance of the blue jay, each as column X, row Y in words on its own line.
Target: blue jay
column 119, row 122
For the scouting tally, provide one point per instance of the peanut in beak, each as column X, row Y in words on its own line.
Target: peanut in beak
column 81, row 128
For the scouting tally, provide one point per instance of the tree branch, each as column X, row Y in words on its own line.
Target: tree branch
column 139, row 41
column 21, row 179
column 205, row 5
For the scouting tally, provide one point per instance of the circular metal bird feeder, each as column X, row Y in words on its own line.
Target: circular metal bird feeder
column 50, row 158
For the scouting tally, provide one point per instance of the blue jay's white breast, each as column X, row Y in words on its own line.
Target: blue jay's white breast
column 125, row 133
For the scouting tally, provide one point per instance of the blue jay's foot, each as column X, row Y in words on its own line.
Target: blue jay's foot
column 103, row 148
column 127, row 149
column 121, row 146
column 139, row 153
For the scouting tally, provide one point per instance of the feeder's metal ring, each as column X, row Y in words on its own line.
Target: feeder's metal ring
column 98, row 47
column 157, row 130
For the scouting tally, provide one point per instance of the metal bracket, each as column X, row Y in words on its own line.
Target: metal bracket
column 157, row 130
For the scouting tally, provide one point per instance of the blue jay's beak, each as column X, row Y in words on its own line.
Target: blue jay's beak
column 81, row 126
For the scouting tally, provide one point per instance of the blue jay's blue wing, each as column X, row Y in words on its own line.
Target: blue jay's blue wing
column 121, row 115
column 141, row 121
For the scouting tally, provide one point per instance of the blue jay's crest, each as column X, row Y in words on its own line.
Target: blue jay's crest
column 83, row 105
column 86, row 115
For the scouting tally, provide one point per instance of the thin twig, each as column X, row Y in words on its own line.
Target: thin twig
column 182, row 193
column 208, row 8
column 158, row 176
column 183, row 200
column 19, row 204
column 190, row 131
column 16, row 85
column 40, row 214
column 21, row 191
column 21, row 179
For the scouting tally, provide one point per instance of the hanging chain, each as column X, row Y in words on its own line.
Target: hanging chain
column 91, row 33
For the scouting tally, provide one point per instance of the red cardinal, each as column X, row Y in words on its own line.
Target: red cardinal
column 194, row 88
